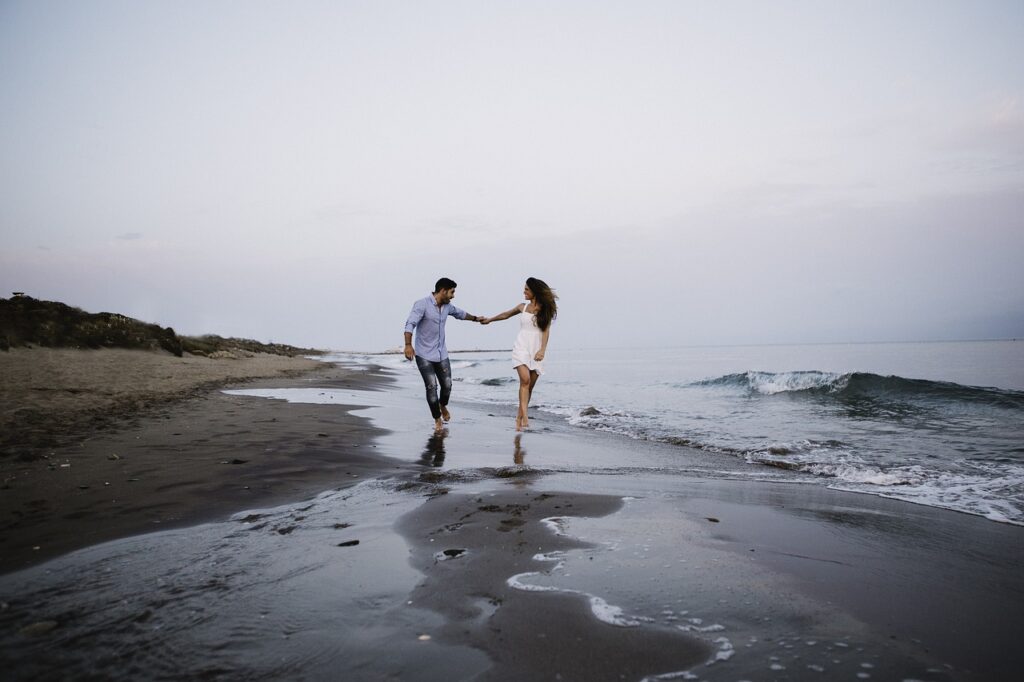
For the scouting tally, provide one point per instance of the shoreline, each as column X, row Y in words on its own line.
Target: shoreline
column 499, row 556
column 167, row 453
column 814, row 563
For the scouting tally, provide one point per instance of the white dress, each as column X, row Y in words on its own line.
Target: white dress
column 527, row 343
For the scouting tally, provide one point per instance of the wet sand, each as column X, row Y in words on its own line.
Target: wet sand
column 720, row 579
column 482, row 554
column 125, row 442
column 753, row 579
column 468, row 547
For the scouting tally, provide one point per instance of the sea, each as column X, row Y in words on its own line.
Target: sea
column 938, row 424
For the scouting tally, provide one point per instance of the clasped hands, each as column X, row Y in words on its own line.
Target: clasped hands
column 487, row 320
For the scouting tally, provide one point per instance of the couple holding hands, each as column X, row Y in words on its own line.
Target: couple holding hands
column 428, row 318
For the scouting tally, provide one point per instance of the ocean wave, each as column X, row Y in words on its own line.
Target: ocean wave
column 984, row 488
column 636, row 426
column 935, row 443
column 770, row 383
column 991, row 488
column 493, row 381
column 862, row 384
column 987, row 490
column 833, row 460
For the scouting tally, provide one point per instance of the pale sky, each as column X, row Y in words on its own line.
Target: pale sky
column 680, row 172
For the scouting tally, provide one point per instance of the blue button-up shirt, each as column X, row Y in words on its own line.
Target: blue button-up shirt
column 428, row 320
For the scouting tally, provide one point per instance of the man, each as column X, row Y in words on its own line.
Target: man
column 428, row 318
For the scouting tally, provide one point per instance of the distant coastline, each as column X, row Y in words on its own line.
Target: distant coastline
column 400, row 351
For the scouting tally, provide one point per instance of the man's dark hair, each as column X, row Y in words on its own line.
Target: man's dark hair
column 444, row 283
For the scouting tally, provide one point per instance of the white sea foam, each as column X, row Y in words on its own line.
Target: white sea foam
column 613, row 615
column 556, row 524
column 677, row 675
column 557, row 555
column 705, row 629
column 516, row 583
column 602, row 610
column 725, row 651
column 486, row 381
column 383, row 360
column 767, row 383
column 988, row 492
column 867, row 475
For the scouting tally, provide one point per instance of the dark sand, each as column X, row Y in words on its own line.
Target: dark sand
column 469, row 545
column 156, row 453
column 806, row 583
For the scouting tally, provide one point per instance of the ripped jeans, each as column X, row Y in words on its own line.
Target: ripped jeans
column 434, row 373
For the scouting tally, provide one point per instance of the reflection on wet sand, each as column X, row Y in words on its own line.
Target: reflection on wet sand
column 433, row 453
column 519, row 453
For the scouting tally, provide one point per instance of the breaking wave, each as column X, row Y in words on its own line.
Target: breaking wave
column 862, row 384
column 493, row 381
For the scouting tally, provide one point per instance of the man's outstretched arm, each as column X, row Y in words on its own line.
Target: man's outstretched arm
column 460, row 314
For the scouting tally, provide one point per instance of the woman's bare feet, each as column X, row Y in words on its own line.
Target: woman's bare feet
column 438, row 426
column 445, row 414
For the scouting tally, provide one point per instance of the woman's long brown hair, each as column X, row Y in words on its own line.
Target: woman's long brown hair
column 545, row 298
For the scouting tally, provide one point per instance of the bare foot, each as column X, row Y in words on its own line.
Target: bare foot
column 445, row 414
column 519, row 423
column 438, row 426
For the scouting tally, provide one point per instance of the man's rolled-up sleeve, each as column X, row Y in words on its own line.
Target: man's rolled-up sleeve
column 415, row 315
column 457, row 313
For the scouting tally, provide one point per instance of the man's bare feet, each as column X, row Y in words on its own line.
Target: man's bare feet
column 438, row 426
column 445, row 414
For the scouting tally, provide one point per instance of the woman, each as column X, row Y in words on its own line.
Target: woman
column 532, row 341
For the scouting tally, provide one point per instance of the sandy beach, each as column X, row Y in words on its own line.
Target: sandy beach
column 476, row 554
column 50, row 396
column 107, row 443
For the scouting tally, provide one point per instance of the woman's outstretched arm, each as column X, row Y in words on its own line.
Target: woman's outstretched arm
column 503, row 316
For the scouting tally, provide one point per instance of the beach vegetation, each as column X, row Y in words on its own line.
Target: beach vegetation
column 27, row 322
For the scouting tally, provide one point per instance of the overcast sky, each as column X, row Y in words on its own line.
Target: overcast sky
column 680, row 172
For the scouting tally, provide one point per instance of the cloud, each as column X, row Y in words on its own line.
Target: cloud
column 129, row 236
column 997, row 129
column 1008, row 112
